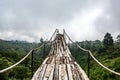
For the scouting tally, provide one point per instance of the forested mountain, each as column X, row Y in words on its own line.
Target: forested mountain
column 106, row 51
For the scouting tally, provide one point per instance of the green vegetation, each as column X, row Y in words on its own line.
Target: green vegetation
column 106, row 51
column 11, row 52
column 108, row 41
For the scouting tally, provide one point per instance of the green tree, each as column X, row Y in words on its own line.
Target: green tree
column 118, row 38
column 41, row 40
column 4, row 63
column 108, row 40
column 21, row 72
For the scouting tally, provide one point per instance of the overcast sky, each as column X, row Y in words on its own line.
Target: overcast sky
column 82, row 19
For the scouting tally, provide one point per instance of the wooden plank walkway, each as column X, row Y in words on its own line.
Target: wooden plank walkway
column 59, row 64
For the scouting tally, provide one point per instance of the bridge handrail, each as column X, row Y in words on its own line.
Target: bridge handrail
column 56, row 31
column 6, row 69
column 112, row 71
column 14, row 65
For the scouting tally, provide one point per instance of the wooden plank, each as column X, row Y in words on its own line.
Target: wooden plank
column 68, row 60
column 53, row 59
column 60, row 52
column 43, row 72
column 56, row 72
column 48, row 71
column 83, row 74
column 44, row 62
column 49, row 59
column 61, row 60
column 52, row 71
column 57, row 48
column 69, row 72
column 37, row 73
column 64, row 45
column 68, row 54
column 64, row 75
column 51, row 51
column 72, row 59
column 60, row 72
column 44, row 76
column 73, row 72
column 64, row 60
column 58, row 60
column 76, row 70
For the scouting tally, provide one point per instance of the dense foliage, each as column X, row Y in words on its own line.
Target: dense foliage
column 107, row 52
column 108, row 41
column 109, row 55
column 11, row 52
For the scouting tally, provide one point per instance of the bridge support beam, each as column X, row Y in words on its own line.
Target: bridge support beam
column 44, row 51
column 88, row 65
column 32, row 63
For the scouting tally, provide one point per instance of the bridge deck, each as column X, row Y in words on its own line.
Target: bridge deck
column 59, row 64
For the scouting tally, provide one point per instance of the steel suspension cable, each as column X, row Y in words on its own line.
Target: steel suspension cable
column 112, row 71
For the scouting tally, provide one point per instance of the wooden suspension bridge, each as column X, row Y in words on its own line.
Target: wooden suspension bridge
column 59, row 64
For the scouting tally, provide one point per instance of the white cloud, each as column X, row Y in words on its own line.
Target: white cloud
column 82, row 26
column 6, row 35
column 82, row 19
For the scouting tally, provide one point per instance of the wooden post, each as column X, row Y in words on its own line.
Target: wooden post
column 88, row 65
column 32, row 63
column 44, row 52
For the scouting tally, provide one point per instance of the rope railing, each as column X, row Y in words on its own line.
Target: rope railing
column 14, row 65
column 112, row 71
column 75, row 43
column 56, row 31
column 6, row 69
column 117, row 73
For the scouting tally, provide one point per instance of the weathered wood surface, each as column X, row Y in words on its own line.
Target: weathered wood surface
column 59, row 64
